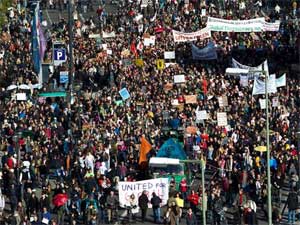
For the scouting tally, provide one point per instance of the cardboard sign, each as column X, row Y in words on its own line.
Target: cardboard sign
column 190, row 99
column 222, row 119
column 168, row 86
column 179, row 79
column 223, row 101
column 160, row 63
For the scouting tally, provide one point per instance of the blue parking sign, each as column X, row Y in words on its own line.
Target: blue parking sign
column 59, row 56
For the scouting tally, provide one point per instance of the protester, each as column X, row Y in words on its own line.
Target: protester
column 156, row 204
column 88, row 142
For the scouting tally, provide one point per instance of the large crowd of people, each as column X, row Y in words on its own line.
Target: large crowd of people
column 81, row 147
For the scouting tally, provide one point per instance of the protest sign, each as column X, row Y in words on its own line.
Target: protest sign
column 275, row 102
column 160, row 63
column 262, row 103
column 159, row 186
column 175, row 102
column 149, row 41
column 223, row 101
column 108, row 34
column 94, row 36
column 190, row 99
column 244, row 81
column 184, row 37
column 168, row 86
column 124, row 94
column 21, row 97
column 109, row 51
column 201, row 115
column 179, row 79
column 139, row 62
column 222, row 119
column 169, row 55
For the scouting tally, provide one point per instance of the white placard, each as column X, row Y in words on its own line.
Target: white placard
column 244, row 81
column 262, row 103
column 275, row 102
column 222, row 119
column 104, row 46
column 160, row 186
column 223, row 101
column 169, row 55
column 21, row 97
column 179, row 79
column 175, row 102
column 201, row 115
column 149, row 41
column 109, row 51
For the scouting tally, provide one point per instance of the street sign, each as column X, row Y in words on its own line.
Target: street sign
column 63, row 77
column 59, row 56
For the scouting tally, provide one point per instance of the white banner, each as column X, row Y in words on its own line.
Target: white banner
column 108, row 35
column 252, row 25
column 169, row 55
column 222, row 119
column 179, row 79
column 259, row 86
column 183, row 37
column 281, row 81
column 251, row 69
column 160, row 186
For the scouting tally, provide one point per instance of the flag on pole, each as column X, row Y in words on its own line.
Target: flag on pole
column 144, row 150
column 133, row 49
column 35, row 39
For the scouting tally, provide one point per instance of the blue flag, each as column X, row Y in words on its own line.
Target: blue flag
column 207, row 53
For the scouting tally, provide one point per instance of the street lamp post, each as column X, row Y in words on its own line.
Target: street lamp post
column 235, row 71
column 268, row 148
column 298, row 146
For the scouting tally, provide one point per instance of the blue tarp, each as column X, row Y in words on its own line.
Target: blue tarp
column 171, row 149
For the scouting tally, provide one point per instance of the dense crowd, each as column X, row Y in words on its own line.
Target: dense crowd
column 83, row 148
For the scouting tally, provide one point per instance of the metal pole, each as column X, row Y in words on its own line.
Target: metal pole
column 71, row 65
column 268, row 149
column 298, row 145
column 201, row 162
column 203, row 192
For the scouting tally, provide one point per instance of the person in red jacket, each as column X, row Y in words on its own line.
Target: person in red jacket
column 183, row 188
column 193, row 199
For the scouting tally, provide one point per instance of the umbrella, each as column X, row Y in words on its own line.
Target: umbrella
column 11, row 87
column 191, row 130
column 261, row 148
column 60, row 199
column 24, row 86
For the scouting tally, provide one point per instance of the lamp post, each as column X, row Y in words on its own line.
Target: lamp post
column 235, row 71
column 298, row 146
column 202, row 163
column 268, row 147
